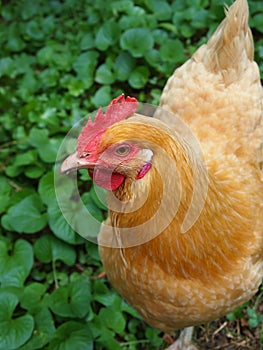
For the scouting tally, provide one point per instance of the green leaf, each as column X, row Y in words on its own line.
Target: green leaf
column 15, row 277
column 20, row 195
column 235, row 314
column 102, row 96
column 113, row 319
column 98, row 195
column 257, row 22
column 43, row 331
column 45, row 55
column 103, row 294
column 14, row 42
column 13, row 171
column 48, row 77
column 160, row 36
column 49, row 118
column 72, row 300
column 13, row 256
column 252, row 313
column 85, row 65
column 161, row 9
column 200, row 19
column 25, row 158
column 6, row 66
column 46, row 188
column 139, row 77
column 124, row 65
column 33, row 297
column 137, row 40
column 5, row 194
column 27, row 216
column 14, row 332
column 87, row 42
column 20, row 133
column 253, row 322
column 72, row 335
column 125, row 6
column 253, row 317
column 34, row 30
column 137, row 18
column 28, row 12
column 105, row 75
column 63, row 59
column 154, row 59
column 172, row 51
column 49, row 248
column 129, row 310
column 93, row 253
column 28, row 85
column 60, row 226
column 107, row 35
column 34, row 172
column 76, row 86
column 154, row 337
column 107, row 339
column 47, row 147
column 186, row 30
column 92, row 208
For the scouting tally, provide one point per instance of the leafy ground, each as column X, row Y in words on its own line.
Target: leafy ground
column 60, row 60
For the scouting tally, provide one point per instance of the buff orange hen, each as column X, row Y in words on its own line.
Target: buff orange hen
column 183, row 242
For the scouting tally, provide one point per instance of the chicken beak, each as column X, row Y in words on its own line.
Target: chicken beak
column 74, row 162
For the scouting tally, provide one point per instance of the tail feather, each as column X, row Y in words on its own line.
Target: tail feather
column 218, row 90
column 231, row 47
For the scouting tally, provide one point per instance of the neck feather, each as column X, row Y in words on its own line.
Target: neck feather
column 149, row 214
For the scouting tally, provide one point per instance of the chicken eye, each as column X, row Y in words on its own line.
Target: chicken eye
column 122, row 150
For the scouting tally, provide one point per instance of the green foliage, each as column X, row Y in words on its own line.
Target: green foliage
column 60, row 60
column 26, row 216
column 72, row 334
column 72, row 300
column 14, row 330
column 251, row 313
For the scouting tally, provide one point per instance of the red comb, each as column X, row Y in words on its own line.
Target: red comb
column 119, row 108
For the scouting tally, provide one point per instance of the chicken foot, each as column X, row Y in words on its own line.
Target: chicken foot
column 184, row 340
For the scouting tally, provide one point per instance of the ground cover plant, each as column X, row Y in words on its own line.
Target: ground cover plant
column 59, row 61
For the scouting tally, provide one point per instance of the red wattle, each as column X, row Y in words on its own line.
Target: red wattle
column 107, row 179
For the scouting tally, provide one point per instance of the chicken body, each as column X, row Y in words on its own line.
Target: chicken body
column 179, row 269
column 181, row 279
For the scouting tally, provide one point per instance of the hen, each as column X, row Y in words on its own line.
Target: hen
column 183, row 242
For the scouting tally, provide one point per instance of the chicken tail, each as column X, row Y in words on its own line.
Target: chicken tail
column 231, row 48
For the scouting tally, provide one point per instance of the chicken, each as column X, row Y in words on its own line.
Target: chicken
column 183, row 242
